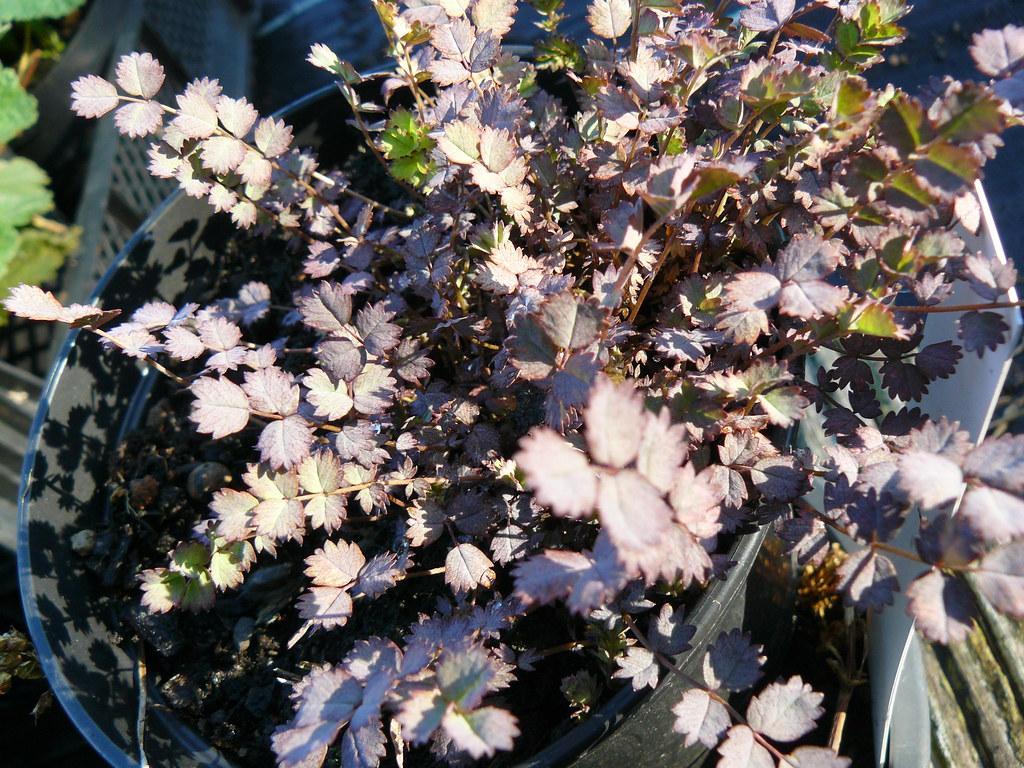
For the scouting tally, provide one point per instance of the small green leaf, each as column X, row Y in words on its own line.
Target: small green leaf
column 23, row 191
column 711, row 179
column 190, row 559
column 199, row 592
column 228, row 562
column 905, row 125
column 876, row 320
column 36, row 256
column 557, row 52
column 18, row 109
column 851, row 96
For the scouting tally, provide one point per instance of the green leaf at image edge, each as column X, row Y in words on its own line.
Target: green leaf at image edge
column 35, row 257
column 18, row 109
column 24, row 192
column 26, row 10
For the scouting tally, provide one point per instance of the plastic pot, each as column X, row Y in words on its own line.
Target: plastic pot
column 93, row 398
column 899, row 692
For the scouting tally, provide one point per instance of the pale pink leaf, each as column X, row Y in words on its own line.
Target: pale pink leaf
column 139, row 74
column 92, row 96
column 221, row 407
column 285, row 443
column 237, row 115
column 137, row 119
column 559, row 475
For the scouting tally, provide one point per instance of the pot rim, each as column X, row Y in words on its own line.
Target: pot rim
column 705, row 612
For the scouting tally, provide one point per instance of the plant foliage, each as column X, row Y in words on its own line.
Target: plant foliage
column 561, row 366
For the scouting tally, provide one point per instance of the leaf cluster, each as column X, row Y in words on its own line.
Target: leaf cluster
column 559, row 371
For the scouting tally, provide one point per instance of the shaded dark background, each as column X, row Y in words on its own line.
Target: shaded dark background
column 282, row 30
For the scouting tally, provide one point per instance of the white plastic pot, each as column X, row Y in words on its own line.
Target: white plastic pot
column 899, row 692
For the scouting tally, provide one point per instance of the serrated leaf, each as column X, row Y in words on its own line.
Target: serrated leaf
column 668, row 633
column 999, row 462
column 466, row 568
column 139, row 74
column 733, row 662
column 373, row 390
column 982, row 330
column 929, row 479
column 284, row 443
column 327, row 698
column 559, row 475
column 533, row 353
column 639, row 666
column 700, row 718
column 233, row 510
column 632, row 511
column 741, row 750
column 785, row 711
column 326, row 607
column 610, row 18
column 24, row 192
column 481, row 732
column 779, row 478
column 570, row 323
column 997, row 51
column 273, row 137
column 271, row 390
column 378, row 334
column 767, row 15
column 197, row 109
column 18, row 109
column 336, row 564
column 1000, row 578
column 942, row 607
column 867, row 580
column 329, row 399
column 221, row 407
column 875, row 320
column 615, row 419
column 229, row 562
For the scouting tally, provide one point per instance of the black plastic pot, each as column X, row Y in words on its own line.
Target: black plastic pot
column 93, row 398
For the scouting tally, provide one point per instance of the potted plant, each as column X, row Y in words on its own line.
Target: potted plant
column 517, row 377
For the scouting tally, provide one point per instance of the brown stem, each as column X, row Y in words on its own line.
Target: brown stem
column 364, row 486
column 959, row 307
column 634, row 255
column 430, row 572
column 634, row 34
column 835, row 738
column 148, row 360
column 650, row 280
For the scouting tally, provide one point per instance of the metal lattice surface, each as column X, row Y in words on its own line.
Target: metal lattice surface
column 191, row 38
column 132, row 182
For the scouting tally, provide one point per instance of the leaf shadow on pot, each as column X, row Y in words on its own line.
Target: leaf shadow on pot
column 93, row 398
